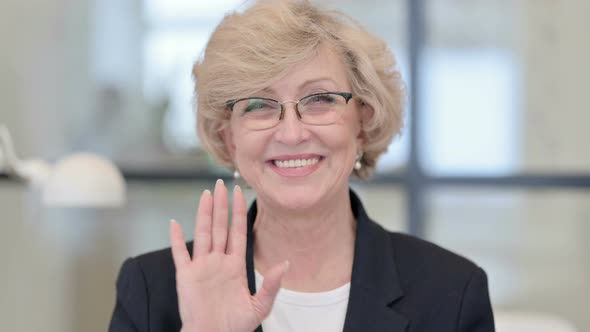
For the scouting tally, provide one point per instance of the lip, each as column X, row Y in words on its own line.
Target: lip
column 295, row 171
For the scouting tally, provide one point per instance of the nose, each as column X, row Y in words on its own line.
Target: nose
column 291, row 130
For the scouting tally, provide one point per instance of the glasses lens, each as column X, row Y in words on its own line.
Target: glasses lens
column 258, row 113
column 321, row 109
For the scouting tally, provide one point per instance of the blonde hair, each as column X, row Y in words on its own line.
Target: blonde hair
column 249, row 50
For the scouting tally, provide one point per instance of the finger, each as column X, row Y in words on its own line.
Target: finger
column 202, row 240
column 265, row 297
column 238, row 231
column 180, row 254
column 220, row 207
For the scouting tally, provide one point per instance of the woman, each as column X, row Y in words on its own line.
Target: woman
column 295, row 100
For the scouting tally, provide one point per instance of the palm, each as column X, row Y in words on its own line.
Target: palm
column 224, row 298
column 212, row 287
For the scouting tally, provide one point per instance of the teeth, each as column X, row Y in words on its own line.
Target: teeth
column 296, row 162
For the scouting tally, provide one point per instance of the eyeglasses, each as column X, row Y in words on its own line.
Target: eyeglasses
column 320, row 109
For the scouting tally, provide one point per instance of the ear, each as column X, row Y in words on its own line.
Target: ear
column 366, row 113
column 228, row 139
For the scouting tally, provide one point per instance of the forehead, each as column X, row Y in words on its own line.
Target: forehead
column 324, row 70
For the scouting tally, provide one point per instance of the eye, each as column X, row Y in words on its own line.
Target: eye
column 322, row 99
column 257, row 104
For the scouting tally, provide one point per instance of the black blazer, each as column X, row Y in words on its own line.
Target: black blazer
column 399, row 283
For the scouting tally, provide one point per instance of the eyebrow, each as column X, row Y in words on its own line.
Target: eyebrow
column 305, row 84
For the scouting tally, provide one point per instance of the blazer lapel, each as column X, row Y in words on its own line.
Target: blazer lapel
column 375, row 284
column 250, row 253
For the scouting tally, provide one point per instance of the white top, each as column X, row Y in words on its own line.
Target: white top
column 298, row 311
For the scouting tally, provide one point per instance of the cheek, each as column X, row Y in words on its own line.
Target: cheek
column 348, row 133
column 249, row 149
column 342, row 144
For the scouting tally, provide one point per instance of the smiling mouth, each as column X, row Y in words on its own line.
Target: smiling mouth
column 294, row 163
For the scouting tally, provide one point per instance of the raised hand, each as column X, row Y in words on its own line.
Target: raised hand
column 212, row 287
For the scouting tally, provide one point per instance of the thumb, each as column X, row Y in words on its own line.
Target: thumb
column 265, row 297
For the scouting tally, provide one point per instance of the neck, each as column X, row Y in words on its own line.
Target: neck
column 319, row 243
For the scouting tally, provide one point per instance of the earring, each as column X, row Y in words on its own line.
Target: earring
column 236, row 174
column 357, row 164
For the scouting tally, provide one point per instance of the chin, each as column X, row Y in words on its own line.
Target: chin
column 297, row 197
column 298, row 203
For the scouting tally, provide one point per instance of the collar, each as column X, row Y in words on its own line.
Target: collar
column 375, row 284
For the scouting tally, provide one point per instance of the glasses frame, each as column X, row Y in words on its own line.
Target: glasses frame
column 347, row 96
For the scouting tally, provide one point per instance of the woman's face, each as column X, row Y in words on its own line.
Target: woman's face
column 263, row 157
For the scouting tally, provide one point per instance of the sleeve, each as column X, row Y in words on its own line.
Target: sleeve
column 476, row 310
column 131, row 307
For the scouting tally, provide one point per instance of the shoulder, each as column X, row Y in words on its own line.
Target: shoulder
column 156, row 266
column 441, row 288
column 412, row 257
column 420, row 255
column 142, row 275
column 424, row 266
column 146, row 293
column 160, row 260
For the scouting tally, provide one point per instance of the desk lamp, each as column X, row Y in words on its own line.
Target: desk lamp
column 77, row 180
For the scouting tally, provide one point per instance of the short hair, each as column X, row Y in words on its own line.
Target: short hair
column 249, row 50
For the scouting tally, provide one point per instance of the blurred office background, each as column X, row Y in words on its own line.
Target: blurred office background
column 493, row 164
